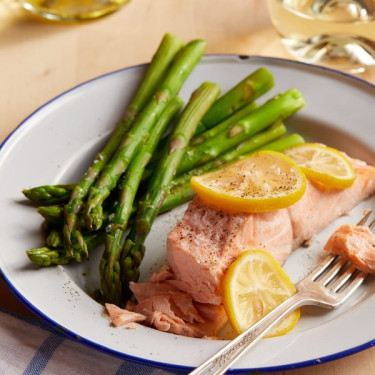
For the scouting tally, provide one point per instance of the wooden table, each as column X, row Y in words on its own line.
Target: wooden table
column 41, row 59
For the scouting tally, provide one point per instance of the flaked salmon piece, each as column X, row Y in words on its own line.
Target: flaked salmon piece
column 166, row 323
column 164, row 298
column 171, row 310
column 320, row 206
column 163, row 274
column 172, row 324
column 206, row 241
column 212, row 314
column 355, row 243
column 120, row 317
column 214, row 317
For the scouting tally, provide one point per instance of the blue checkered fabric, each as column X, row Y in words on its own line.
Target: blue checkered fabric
column 30, row 347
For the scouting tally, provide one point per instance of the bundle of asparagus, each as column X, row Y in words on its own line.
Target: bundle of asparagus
column 146, row 166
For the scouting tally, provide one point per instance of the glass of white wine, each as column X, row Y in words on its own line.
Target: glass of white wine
column 72, row 10
column 339, row 34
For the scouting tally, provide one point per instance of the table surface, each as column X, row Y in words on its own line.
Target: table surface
column 41, row 59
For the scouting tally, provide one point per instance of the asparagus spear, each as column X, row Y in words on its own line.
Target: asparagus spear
column 177, row 74
column 158, row 186
column 177, row 196
column 52, row 214
column 46, row 256
column 167, row 50
column 109, row 267
column 283, row 143
column 245, row 92
column 49, row 194
column 55, row 239
column 276, row 109
column 182, row 192
column 224, row 125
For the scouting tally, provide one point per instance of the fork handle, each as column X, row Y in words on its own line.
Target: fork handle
column 220, row 362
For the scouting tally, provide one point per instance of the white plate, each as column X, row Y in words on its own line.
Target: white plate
column 56, row 143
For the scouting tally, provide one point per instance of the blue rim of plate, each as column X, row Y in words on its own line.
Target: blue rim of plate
column 161, row 365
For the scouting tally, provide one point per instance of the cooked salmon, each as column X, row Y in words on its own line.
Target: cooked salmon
column 120, row 317
column 355, row 243
column 206, row 241
column 161, row 306
column 320, row 206
column 171, row 310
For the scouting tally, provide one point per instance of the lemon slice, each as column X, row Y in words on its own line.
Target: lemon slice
column 264, row 181
column 323, row 164
column 255, row 284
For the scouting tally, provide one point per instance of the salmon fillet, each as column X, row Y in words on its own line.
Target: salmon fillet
column 320, row 206
column 206, row 241
column 355, row 243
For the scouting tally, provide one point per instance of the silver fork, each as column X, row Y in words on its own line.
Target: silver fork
column 324, row 287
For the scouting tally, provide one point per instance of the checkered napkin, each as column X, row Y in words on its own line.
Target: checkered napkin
column 30, row 347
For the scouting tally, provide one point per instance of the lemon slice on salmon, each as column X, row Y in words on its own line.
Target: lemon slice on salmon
column 255, row 284
column 323, row 164
column 264, row 181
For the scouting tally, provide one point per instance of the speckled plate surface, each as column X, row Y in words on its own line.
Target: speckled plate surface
column 56, row 143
